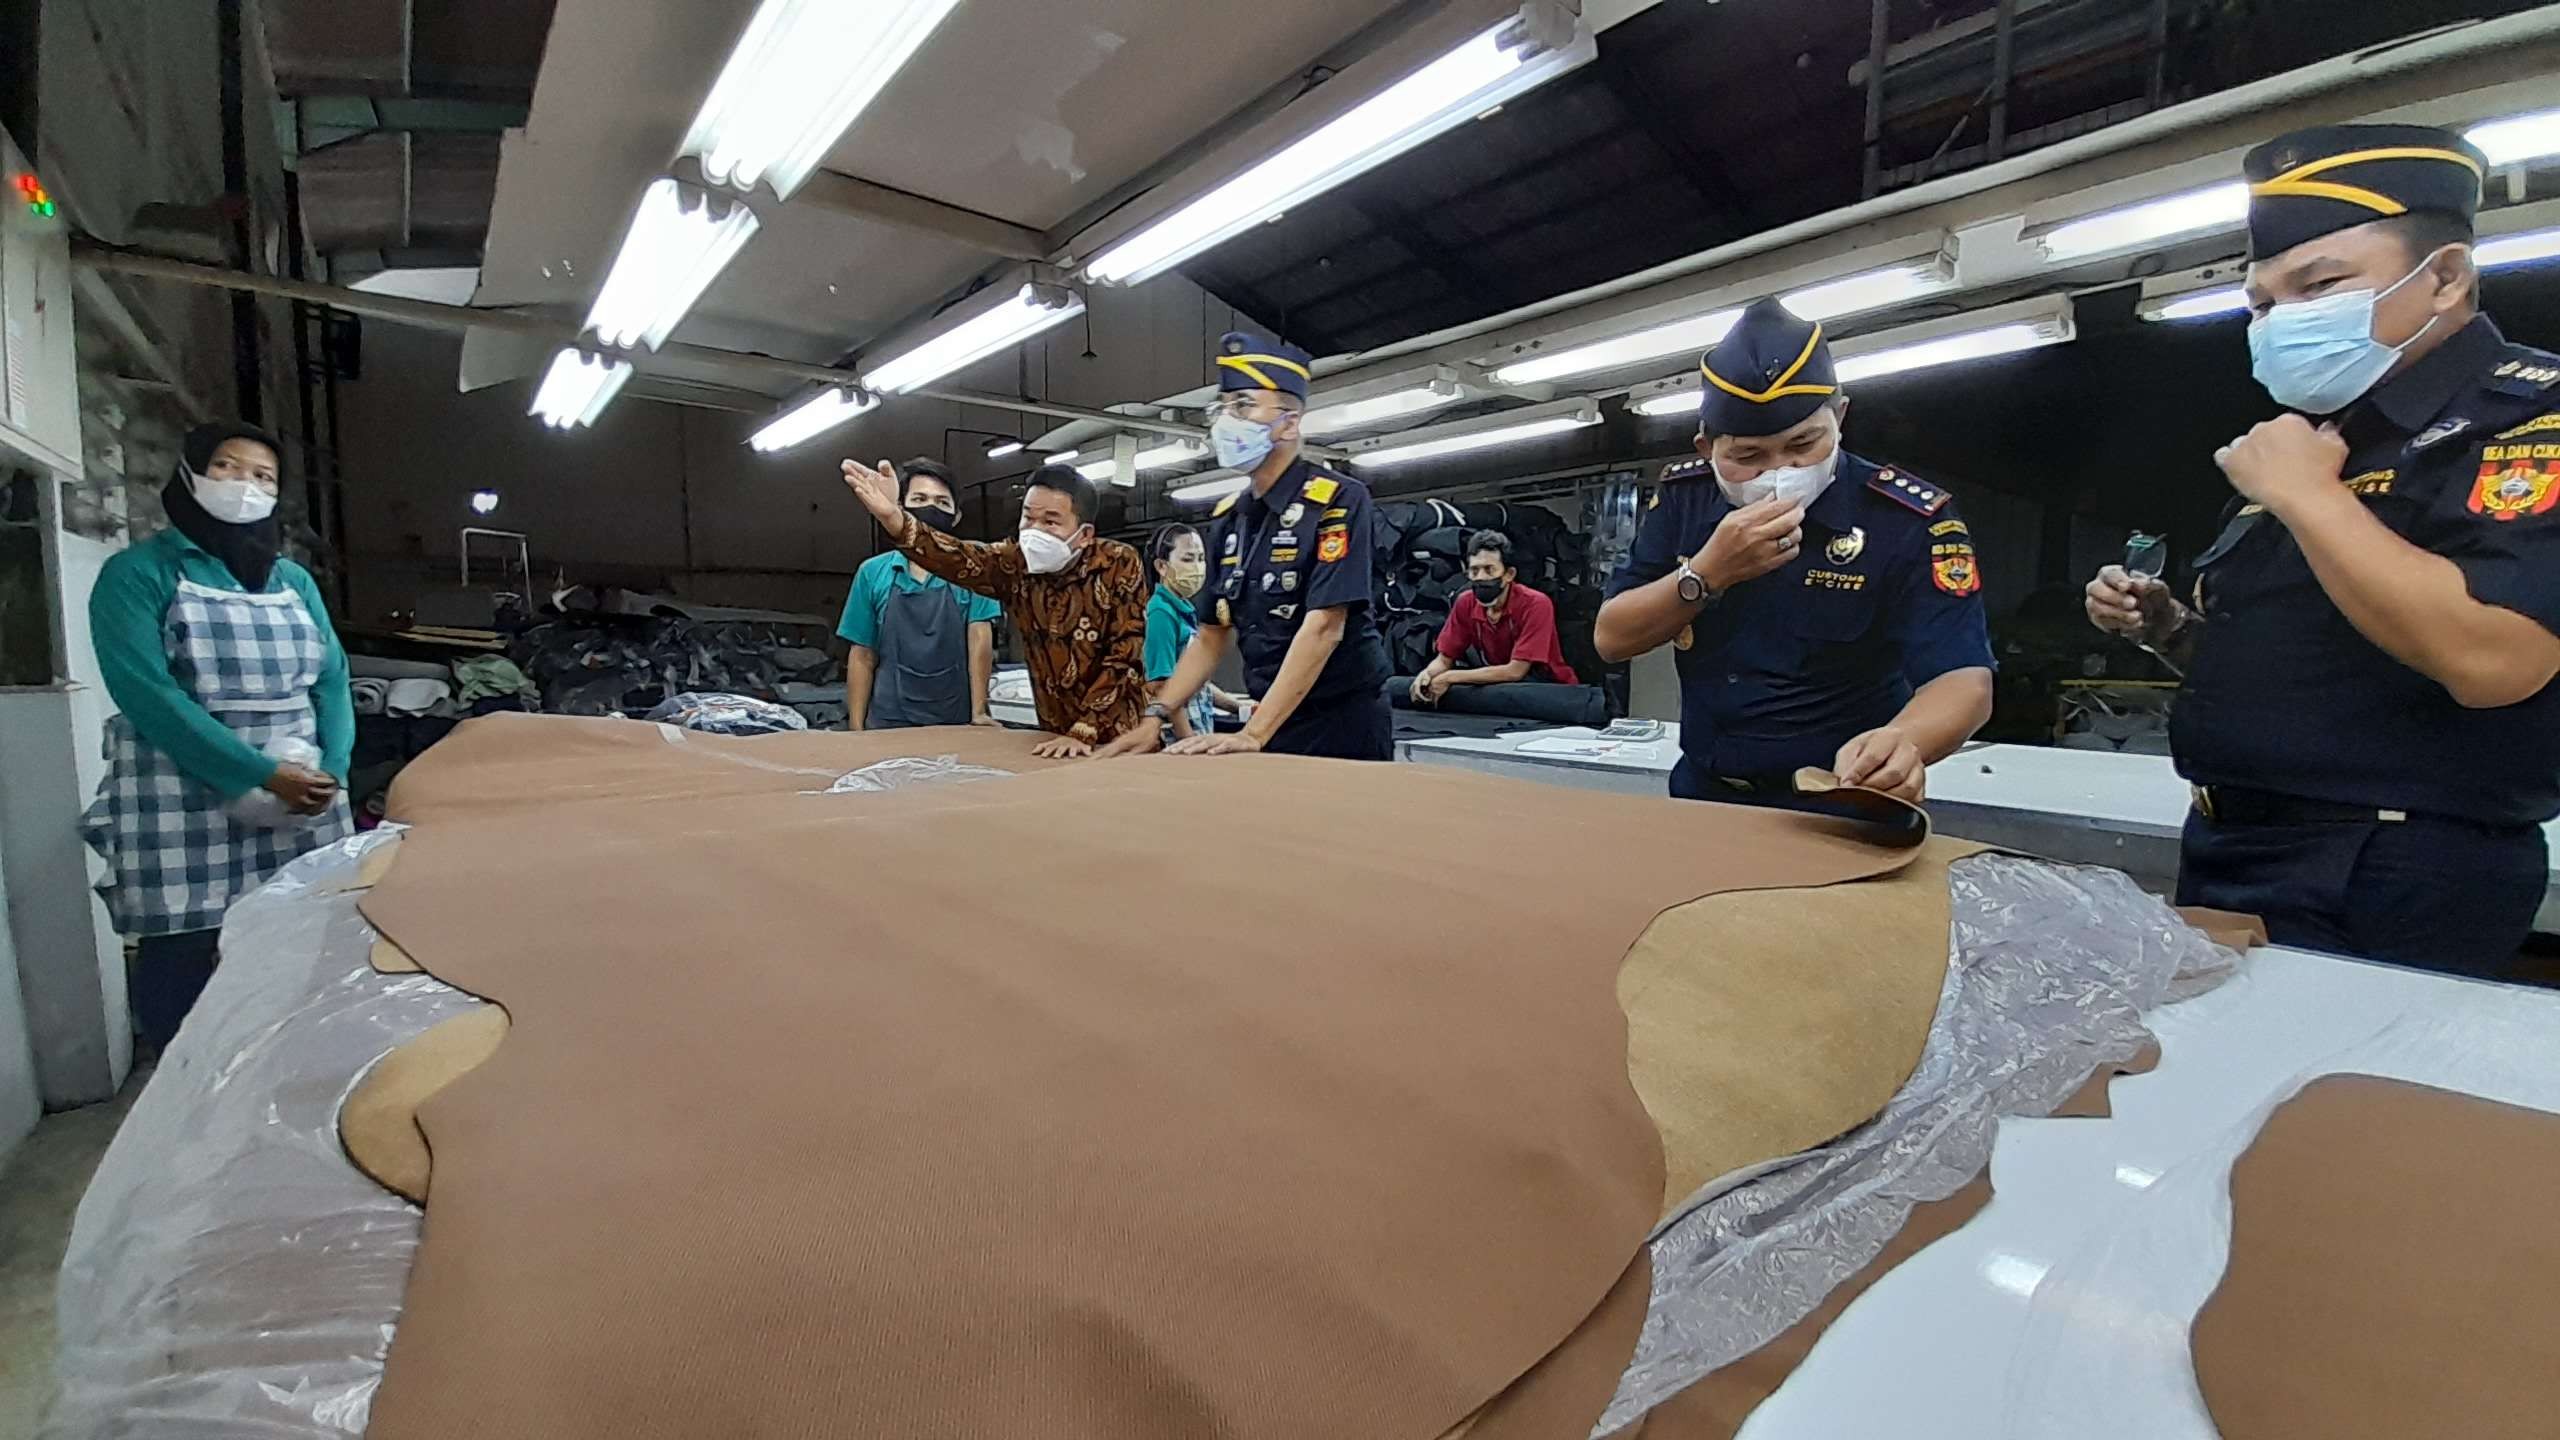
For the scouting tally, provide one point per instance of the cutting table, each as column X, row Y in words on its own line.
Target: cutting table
column 2089, row 807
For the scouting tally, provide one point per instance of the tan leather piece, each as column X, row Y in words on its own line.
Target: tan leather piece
column 2227, row 928
column 1231, row 1121
column 377, row 862
column 390, row 959
column 378, row 1124
column 1731, row 1079
column 2393, row 1271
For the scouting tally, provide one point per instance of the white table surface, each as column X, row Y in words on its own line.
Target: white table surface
column 1938, row 1349
column 2085, row 806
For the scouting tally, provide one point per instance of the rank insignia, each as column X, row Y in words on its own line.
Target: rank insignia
column 1953, row 570
column 2438, row 433
column 1332, row 545
column 1847, row 546
column 2513, row 489
column 1286, row 555
column 1321, row 490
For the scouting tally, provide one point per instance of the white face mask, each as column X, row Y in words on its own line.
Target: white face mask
column 234, row 502
column 1795, row 484
column 1044, row 553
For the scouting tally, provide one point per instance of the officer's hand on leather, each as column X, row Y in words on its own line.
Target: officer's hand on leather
column 1882, row 759
column 2138, row 607
column 2284, row 459
column 1061, row 747
column 1749, row 543
column 1143, row 738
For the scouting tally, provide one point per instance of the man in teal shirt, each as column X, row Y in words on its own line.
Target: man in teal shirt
column 229, row 751
column 924, row 650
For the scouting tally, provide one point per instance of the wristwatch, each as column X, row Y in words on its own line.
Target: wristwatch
column 1693, row 588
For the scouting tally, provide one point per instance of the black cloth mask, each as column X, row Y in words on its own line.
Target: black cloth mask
column 940, row 519
column 1487, row 591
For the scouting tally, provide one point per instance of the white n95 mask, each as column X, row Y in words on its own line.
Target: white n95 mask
column 1044, row 553
column 1795, row 484
column 233, row 502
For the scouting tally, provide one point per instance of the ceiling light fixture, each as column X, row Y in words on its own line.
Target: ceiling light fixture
column 1345, row 415
column 802, row 72
column 1484, row 72
column 811, row 418
column 2519, row 249
column 577, row 388
column 1695, row 335
column 1179, row 452
column 484, row 502
column 1009, row 318
column 1063, row 457
column 2215, row 207
column 1951, row 350
column 1003, row 448
column 679, row 239
column 2518, row 138
column 1511, row 427
column 1216, row 485
column 2493, row 252
column 2196, row 305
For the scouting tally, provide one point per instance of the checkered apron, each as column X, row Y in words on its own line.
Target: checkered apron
column 175, row 861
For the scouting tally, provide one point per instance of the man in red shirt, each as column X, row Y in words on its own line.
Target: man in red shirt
column 1507, row 627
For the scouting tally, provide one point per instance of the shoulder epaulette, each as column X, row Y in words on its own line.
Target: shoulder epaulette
column 2525, row 372
column 1689, row 469
column 1225, row 505
column 1918, row 495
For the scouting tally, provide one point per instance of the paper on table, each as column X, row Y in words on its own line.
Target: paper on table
column 1591, row 747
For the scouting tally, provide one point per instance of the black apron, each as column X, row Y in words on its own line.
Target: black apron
column 924, row 658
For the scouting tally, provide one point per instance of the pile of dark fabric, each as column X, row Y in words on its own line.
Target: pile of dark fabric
column 1422, row 569
column 613, row 664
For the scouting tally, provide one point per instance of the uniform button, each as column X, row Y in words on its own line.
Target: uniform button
column 1733, row 679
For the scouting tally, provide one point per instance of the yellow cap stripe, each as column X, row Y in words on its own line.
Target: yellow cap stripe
column 1779, row 387
column 2326, row 190
column 2359, row 157
column 1240, row 362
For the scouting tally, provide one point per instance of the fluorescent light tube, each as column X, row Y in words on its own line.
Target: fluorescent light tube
column 2518, row 138
column 1484, row 437
column 1098, row 471
column 1354, row 414
column 1873, row 290
column 2216, row 207
column 1010, row 321
column 1849, row 295
column 577, row 388
column 1697, row 334
column 1061, row 458
column 799, row 77
column 1949, row 350
column 1216, row 486
column 811, row 418
column 1180, row 452
column 2196, row 305
column 2516, row 249
column 1670, row 402
column 1010, row 447
column 678, row 241
column 1451, row 90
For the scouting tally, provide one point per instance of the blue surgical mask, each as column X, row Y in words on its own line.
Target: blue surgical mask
column 2319, row 356
column 1241, row 444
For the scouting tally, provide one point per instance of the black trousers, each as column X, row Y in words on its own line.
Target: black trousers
column 1354, row 726
column 2429, row 891
column 169, row 972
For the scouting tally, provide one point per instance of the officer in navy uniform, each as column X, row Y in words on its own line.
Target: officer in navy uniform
column 1827, row 611
column 1291, row 569
column 2368, row 718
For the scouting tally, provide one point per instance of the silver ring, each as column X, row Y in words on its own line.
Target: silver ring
column 1786, row 542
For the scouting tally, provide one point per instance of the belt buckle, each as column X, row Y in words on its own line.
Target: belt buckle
column 2203, row 798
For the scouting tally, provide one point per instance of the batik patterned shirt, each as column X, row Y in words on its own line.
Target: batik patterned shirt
column 1083, row 629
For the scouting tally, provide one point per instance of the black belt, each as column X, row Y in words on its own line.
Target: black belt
column 2242, row 806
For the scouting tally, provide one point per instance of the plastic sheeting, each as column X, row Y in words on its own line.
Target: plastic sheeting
column 255, row 1295
column 2108, row 1327
column 2049, row 973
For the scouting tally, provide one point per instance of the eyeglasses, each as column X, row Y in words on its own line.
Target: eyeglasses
column 1235, row 404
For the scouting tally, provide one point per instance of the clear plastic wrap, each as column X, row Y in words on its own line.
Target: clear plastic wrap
column 882, row 776
column 2049, row 972
column 2107, row 1329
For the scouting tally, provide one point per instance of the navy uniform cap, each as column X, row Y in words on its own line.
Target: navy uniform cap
column 2332, row 177
column 1250, row 362
column 1768, row 375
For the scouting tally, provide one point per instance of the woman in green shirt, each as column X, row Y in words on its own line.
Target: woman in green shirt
column 1182, row 567
column 228, row 755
